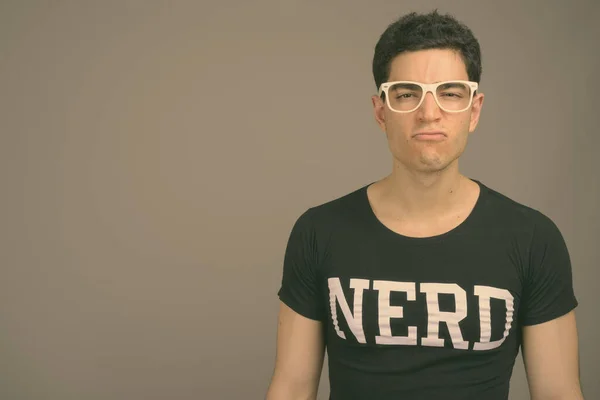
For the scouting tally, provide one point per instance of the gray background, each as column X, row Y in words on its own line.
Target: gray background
column 155, row 154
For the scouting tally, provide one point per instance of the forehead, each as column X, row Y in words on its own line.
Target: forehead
column 428, row 66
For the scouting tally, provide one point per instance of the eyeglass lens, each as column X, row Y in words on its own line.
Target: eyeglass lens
column 452, row 96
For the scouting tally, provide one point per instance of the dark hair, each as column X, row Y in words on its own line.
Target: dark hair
column 414, row 32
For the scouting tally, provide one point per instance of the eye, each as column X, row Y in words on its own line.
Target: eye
column 448, row 94
column 404, row 96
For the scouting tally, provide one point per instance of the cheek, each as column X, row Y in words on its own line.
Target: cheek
column 464, row 122
column 398, row 128
column 398, row 136
column 400, row 144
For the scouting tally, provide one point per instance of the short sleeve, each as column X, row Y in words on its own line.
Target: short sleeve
column 548, row 291
column 300, row 289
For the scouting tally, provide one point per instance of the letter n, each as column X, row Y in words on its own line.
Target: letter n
column 354, row 320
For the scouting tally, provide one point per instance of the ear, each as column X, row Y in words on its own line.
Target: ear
column 476, row 111
column 379, row 111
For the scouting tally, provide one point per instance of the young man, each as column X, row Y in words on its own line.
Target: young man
column 424, row 284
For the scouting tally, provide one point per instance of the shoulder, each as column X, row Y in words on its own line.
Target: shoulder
column 318, row 225
column 534, row 233
column 508, row 212
column 336, row 211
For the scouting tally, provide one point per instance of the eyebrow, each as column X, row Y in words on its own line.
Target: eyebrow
column 412, row 80
column 453, row 85
column 405, row 86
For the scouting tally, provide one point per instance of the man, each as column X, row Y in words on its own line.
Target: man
column 424, row 284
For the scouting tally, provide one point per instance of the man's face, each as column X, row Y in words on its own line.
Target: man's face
column 417, row 152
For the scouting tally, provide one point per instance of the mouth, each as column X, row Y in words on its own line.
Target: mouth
column 429, row 135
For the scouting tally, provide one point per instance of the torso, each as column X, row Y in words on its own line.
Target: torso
column 422, row 311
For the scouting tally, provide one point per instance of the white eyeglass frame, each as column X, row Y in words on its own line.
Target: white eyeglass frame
column 427, row 87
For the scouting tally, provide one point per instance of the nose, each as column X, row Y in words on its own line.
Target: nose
column 429, row 109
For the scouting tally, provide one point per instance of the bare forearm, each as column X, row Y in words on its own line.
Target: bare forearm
column 299, row 357
column 282, row 390
column 551, row 358
column 554, row 397
column 573, row 393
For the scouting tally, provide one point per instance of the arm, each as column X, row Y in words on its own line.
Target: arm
column 550, row 344
column 550, row 355
column 299, row 358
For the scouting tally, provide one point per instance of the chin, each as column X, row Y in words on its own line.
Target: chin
column 426, row 161
column 430, row 169
column 432, row 164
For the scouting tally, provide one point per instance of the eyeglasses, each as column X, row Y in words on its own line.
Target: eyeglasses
column 407, row 96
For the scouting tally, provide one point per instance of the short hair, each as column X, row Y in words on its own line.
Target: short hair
column 413, row 32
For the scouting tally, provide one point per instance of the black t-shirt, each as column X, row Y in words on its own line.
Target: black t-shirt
column 425, row 318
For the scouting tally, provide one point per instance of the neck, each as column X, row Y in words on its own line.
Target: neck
column 424, row 195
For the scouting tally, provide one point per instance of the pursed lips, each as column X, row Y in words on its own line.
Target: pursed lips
column 430, row 135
